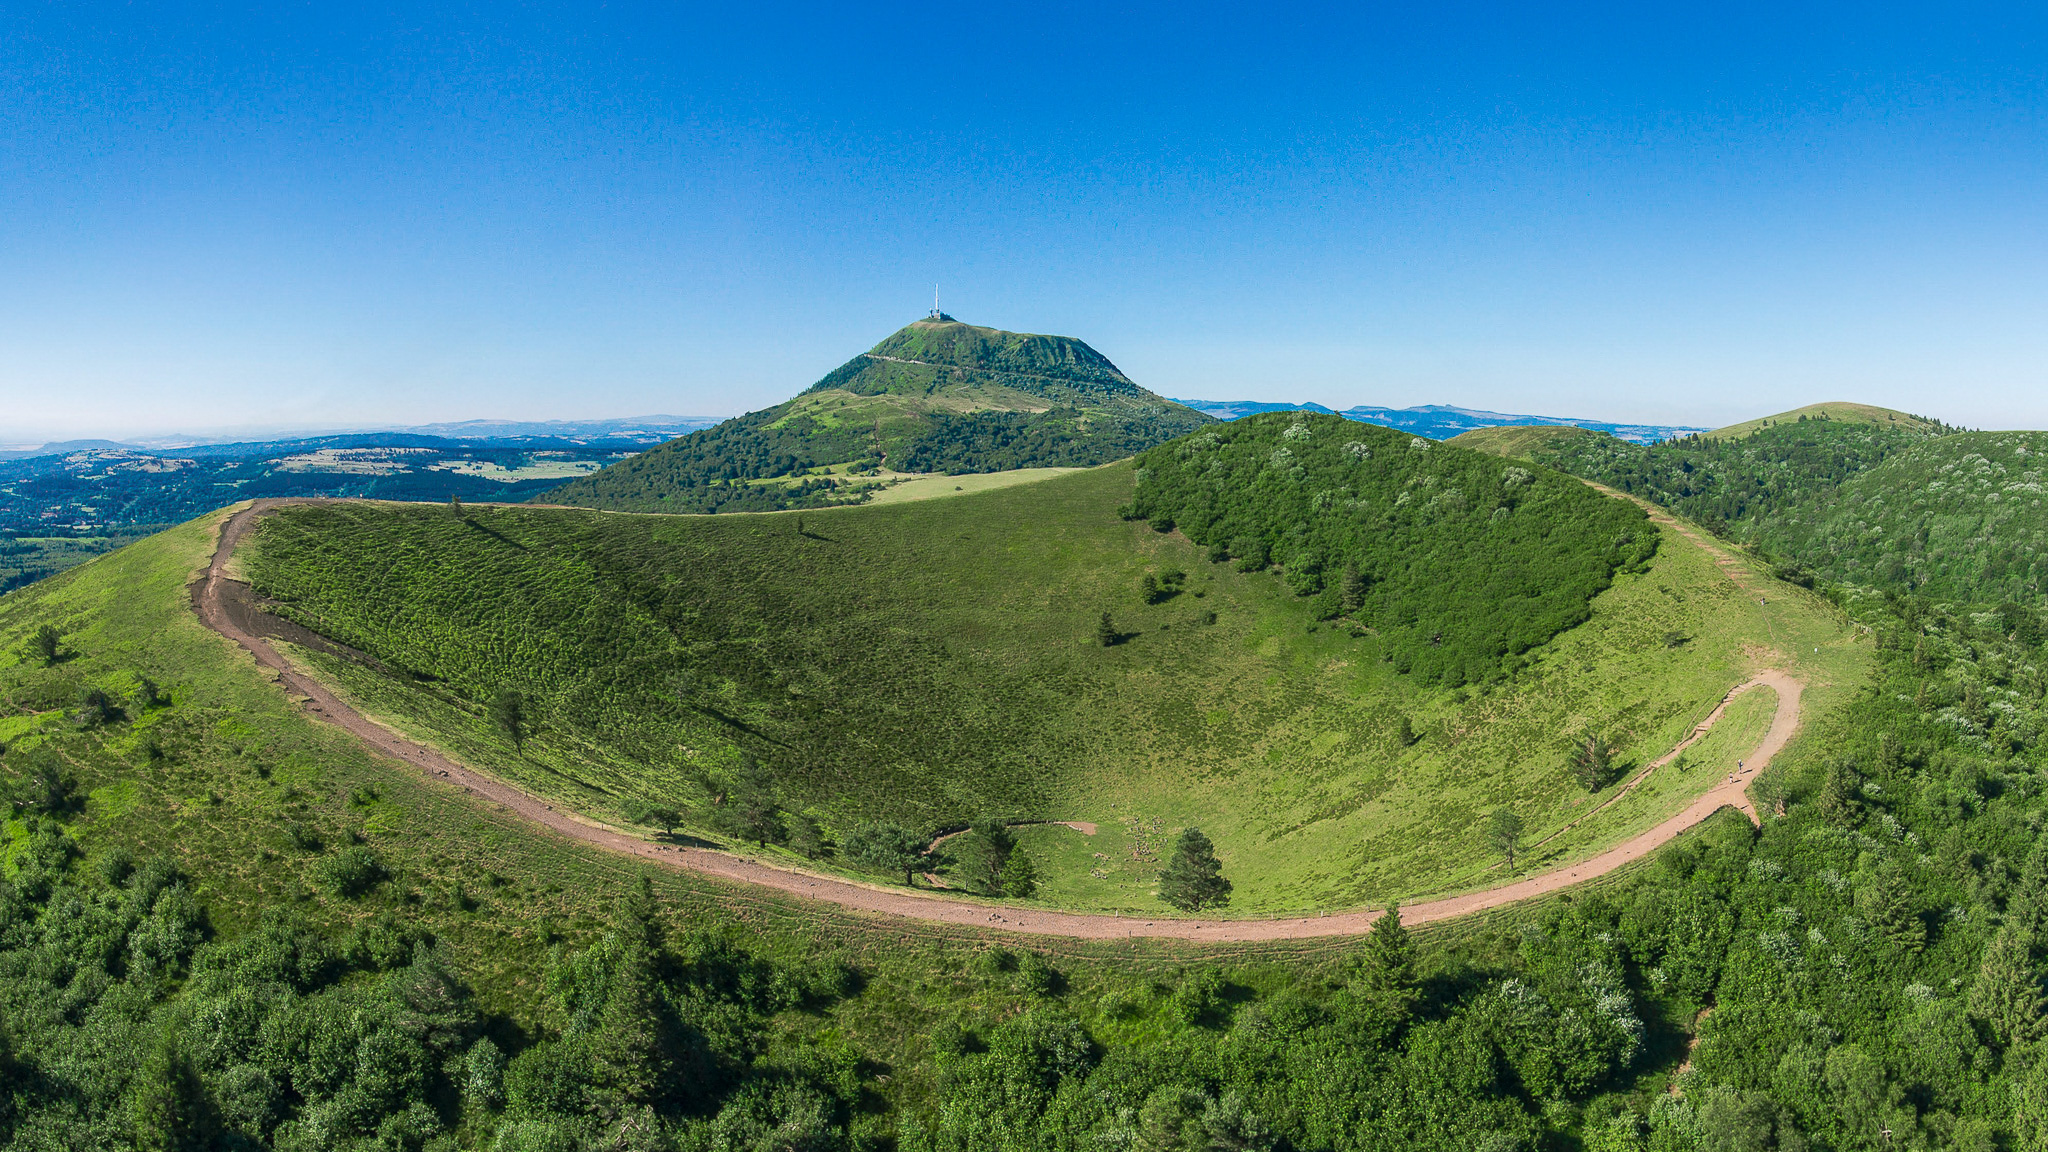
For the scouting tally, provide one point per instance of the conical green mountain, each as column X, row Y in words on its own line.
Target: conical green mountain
column 938, row 396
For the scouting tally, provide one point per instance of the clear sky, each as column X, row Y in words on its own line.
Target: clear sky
column 329, row 214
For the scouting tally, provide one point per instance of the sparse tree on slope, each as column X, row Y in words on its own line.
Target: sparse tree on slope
column 508, row 713
column 750, row 811
column 1193, row 879
column 886, row 848
column 1105, row 632
column 1504, row 833
column 1592, row 760
column 1020, row 876
column 46, row 644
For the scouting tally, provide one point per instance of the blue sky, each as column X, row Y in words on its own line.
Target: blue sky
column 319, row 215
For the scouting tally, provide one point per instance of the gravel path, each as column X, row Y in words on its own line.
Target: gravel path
column 212, row 595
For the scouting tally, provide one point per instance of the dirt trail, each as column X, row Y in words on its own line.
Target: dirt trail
column 211, row 599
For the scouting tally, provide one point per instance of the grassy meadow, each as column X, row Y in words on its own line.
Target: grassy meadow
column 935, row 662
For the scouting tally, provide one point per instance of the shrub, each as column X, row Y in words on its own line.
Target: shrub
column 351, row 872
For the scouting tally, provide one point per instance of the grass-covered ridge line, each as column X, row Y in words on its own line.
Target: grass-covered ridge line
column 1460, row 562
column 937, row 396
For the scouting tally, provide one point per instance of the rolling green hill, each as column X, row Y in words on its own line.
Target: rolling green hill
column 1519, row 441
column 1835, row 411
column 939, row 662
column 938, row 396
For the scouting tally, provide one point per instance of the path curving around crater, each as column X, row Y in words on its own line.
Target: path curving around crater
column 215, row 602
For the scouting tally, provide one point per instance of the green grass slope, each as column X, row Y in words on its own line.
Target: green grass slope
column 1835, row 411
column 1519, row 441
column 933, row 663
column 938, row 396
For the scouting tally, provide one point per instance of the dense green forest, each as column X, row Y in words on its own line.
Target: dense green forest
column 222, row 927
column 1721, row 483
column 938, row 396
column 1462, row 563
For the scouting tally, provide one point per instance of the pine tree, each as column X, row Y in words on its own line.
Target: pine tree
column 1839, row 792
column 47, row 643
column 1406, row 733
column 1148, row 589
column 1193, row 878
column 1591, row 762
column 1106, row 633
column 1354, row 589
column 750, row 811
column 1888, row 903
column 2007, row 995
column 167, row 1103
column 1020, row 875
column 1386, row 964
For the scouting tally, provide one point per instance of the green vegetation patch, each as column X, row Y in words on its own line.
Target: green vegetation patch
column 1461, row 563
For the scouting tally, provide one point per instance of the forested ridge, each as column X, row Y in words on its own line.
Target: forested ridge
column 938, row 396
column 1956, row 516
column 1463, row 563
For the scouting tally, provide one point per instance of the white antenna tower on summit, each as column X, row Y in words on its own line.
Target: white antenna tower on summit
column 935, row 303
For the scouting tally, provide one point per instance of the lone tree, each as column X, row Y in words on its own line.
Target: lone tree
column 96, row 708
column 1591, row 763
column 1106, row 633
column 1504, row 832
column 750, row 811
column 981, row 855
column 1193, row 879
column 1020, row 875
column 884, row 848
column 1148, row 589
column 662, row 816
column 1385, row 975
column 48, row 640
column 508, row 713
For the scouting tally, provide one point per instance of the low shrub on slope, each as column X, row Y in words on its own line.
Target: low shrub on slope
column 1461, row 561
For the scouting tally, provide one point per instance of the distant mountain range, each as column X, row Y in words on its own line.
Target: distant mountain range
column 1441, row 421
column 639, row 429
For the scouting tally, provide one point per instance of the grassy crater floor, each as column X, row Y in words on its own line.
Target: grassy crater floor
column 935, row 662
